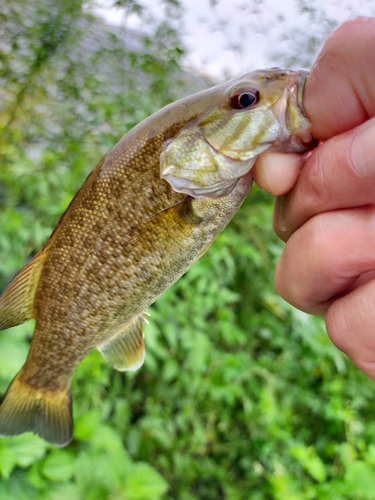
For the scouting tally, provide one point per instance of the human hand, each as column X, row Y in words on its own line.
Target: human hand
column 328, row 218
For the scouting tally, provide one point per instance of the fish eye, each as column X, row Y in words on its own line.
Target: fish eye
column 244, row 98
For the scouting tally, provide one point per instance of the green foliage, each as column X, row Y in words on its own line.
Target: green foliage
column 241, row 396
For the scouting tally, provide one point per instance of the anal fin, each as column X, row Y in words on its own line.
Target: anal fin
column 17, row 300
column 126, row 349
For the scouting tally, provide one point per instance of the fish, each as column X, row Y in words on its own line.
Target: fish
column 144, row 215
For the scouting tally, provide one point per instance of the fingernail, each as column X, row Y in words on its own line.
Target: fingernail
column 363, row 149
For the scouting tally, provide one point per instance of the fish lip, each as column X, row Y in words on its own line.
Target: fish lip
column 306, row 136
column 304, row 73
column 295, row 92
column 296, row 88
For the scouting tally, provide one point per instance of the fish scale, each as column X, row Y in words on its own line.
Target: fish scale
column 143, row 216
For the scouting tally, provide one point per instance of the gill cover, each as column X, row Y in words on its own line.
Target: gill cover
column 192, row 166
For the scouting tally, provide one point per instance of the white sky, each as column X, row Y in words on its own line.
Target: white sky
column 213, row 35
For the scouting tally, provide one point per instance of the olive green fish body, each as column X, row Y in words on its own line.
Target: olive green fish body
column 149, row 209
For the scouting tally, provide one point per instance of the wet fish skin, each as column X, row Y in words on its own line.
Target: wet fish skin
column 124, row 239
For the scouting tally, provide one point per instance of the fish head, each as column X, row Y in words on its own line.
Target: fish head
column 241, row 119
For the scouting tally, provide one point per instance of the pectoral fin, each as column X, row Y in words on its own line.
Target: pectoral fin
column 17, row 300
column 126, row 349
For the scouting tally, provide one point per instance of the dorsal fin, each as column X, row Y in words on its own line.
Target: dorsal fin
column 126, row 349
column 17, row 300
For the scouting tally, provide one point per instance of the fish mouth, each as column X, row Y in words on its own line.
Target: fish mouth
column 296, row 87
column 309, row 140
column 290, row 110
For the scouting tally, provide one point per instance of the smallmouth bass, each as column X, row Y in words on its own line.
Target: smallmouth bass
column 144, row 215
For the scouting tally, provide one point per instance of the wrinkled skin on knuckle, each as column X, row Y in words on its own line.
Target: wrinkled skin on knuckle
column 322, row 234
column 315, row 188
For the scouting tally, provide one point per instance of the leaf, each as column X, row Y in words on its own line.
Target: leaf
column 144, row 483
column 18, row 488
column 59, row 466
column 8, row 461
column 21, row 451
column 86, row 425
column 67, row 491
column 310, row 461
column 360, row 478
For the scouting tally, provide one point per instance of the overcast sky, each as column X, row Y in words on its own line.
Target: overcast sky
column 240, row 35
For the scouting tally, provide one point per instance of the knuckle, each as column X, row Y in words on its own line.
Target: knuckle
column 321, row 233
column 316, row 188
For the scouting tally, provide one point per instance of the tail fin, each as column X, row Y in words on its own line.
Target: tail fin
column 45, row 412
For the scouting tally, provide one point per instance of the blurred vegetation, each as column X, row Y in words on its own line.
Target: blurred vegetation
column 241, row 396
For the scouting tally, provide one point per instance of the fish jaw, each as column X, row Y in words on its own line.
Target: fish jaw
column 289, row 111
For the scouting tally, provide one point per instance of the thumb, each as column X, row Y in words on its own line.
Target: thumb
column 340, row 91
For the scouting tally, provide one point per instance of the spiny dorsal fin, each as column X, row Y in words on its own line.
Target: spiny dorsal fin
column 126, row 349
column 44, row 412
column 17, row 300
